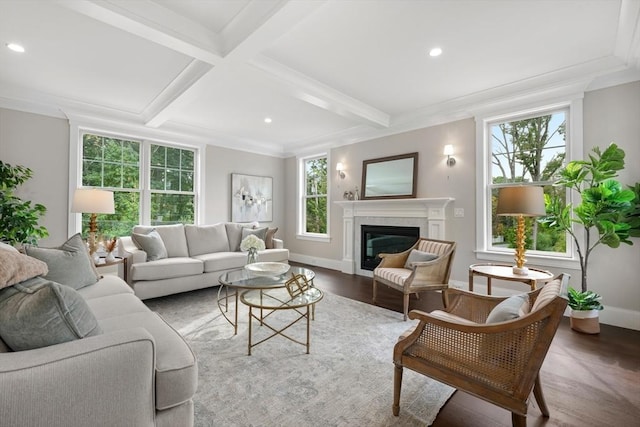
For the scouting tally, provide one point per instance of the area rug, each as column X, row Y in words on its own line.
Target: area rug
column 346, row 380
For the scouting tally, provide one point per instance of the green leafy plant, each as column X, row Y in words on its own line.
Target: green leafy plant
column 18, row 218
column 582, row 301
column 604, row 209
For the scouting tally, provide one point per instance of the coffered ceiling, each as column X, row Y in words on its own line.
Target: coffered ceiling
column 326, row 73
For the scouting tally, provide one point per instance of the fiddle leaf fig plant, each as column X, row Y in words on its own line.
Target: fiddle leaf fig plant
column 604, row 209
column 18, row 218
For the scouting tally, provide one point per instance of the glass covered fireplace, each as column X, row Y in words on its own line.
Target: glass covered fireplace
column 378, row 239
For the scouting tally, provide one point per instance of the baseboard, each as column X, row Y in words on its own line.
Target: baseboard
column 331, row 264
column 614, row 316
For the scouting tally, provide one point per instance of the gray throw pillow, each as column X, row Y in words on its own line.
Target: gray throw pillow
column 511, row 308
column 38, row 313
column 69, row 264
column 268, row 241
column 261, row 233
column 418, row 256
column 151, row 243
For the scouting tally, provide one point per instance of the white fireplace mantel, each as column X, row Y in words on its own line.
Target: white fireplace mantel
column 431, row 210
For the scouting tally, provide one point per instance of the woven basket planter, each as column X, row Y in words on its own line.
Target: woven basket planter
column 585, row 321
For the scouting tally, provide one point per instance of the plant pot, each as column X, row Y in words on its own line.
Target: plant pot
column 585, row 321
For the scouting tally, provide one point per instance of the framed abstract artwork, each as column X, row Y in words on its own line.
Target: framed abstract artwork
column 251, row 198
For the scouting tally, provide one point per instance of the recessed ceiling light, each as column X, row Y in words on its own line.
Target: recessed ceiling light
column 267, row 120
column 436, row 51
column 15, row 47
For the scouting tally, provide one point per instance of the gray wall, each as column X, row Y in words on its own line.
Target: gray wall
column 611, row 114
column 42, row 144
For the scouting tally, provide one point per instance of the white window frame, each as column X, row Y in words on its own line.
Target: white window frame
column 301, row 214
column 75, row 169
column 574, row 144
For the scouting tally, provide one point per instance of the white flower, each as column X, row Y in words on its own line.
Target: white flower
column 252, row 241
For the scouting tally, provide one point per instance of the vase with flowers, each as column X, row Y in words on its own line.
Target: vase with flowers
column 252, row 244
column 110, row 247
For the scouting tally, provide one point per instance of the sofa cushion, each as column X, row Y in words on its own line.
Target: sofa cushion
column 176, row 366
column 222, row 260
column 205, row 239
column 16, row 267
column 116, row 305
column 268, row 241
column 166, row 268
column 109, row 284
column 39, row 313
column 261, row 233
column 511, row 308
column 234, row 234
column 151, row 243
column 69, row 264
column 173, row 237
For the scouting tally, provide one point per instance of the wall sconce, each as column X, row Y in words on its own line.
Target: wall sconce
column 340, row 169
column 448, row 151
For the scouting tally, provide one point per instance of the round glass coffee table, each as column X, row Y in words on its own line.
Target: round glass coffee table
column 241, row 279
column 280, row 299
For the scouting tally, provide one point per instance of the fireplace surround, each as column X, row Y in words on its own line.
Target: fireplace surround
column 428, row 214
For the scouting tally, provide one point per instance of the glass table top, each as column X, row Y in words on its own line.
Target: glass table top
column 241, row 278
column 280, row 299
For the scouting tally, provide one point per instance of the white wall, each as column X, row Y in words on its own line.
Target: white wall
column 42, row 144
column 221, row 163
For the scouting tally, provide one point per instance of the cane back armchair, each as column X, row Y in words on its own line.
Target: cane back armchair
column 498, row 362
column 417, row 276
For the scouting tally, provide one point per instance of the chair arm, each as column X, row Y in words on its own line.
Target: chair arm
column 106, row 379
column 469, row 305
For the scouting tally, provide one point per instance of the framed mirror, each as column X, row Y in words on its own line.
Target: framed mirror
column 393, row 177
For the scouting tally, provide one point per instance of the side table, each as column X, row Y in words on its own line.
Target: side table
column 505, row 272
column 118, row 260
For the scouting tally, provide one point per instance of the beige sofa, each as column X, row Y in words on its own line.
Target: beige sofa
column 137, row 372
column 196, row 257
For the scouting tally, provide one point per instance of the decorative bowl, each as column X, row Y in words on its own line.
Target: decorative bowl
column 267, row 268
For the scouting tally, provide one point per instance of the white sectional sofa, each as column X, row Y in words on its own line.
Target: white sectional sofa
column 132, row 370
column 196, row 256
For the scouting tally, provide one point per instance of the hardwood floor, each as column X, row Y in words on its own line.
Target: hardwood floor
column 588, row 380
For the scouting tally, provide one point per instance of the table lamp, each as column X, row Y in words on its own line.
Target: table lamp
column 520, row 201
column 93, row 201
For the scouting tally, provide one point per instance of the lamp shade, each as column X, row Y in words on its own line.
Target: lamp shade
column 521, row 200
column 448, row 150
column 91, row 200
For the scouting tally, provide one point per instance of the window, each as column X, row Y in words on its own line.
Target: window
column 524, row 149
column 314, row 218
column 117, row 165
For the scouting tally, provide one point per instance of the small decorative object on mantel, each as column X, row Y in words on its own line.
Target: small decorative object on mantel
column 252, row 244
column 356, row 195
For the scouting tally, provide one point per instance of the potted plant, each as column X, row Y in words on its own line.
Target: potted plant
column 603, row 212
column 584, row 311
column 18, row 219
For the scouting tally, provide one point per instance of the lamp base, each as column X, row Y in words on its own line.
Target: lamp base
column 520, row 271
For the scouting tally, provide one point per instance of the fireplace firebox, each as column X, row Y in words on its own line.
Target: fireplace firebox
column 378, row 239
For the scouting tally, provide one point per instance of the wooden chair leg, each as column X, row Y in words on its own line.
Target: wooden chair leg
column 375, row 290
column 405, row 306
column 537, row 392
column 397, row 385
column 518, row 420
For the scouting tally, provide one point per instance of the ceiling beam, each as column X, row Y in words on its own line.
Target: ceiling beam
column 152, row 22
column 321, row 95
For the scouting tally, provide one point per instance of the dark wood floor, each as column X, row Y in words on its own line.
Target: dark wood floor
column 588, row 380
